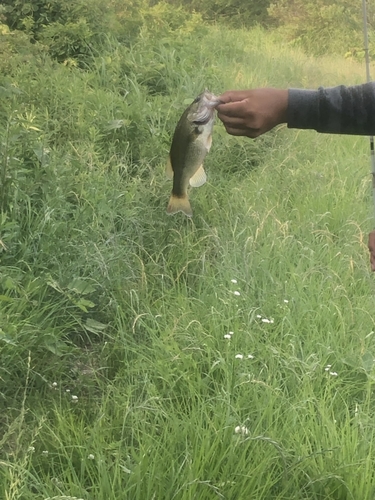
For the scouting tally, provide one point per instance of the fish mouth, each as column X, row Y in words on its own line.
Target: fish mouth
column 206, row 109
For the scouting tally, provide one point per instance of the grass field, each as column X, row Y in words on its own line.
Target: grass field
column 119, row 376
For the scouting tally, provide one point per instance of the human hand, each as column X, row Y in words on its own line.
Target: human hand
column 371, row 247
column 252, row 112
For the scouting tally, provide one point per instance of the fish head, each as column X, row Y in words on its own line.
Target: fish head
column 202, row 109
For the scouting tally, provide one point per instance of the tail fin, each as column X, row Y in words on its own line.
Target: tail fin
column 179, row 204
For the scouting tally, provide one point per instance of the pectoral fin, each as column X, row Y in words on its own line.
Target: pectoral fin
column 168, row 169
column 199, row 178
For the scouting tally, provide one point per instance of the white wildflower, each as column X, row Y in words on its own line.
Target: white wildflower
column 334, row 374
column 31, row 448
column 234, row 281
column 286, row 301
column 239, row 356
column 45, row 452
column 236, row 292
column 241, row 429
column 259, row 316
column 54, row 384
column 74, row 399
column 91, row 456
column 67, row 390
column 227, row 336
column 250, row 356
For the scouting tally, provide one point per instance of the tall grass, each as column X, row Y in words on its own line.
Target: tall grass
column 119, row 377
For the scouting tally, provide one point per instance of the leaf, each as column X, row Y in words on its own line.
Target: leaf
column 9, row 284
column 81, row 286
column 94, row 326
column 116, row 124
column 6, row 339
column 351, row 361
column 55, row 346
column 5, row 298
column 83, row 304
column 368, row 361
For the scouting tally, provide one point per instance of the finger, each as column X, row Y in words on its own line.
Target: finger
column 231, row 121
column 233, row 96
column 252, row 133
column 234, row 109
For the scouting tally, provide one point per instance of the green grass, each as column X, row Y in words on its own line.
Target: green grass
column 106, row 298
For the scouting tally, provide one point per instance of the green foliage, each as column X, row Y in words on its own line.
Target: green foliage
column 16, row 49
column 68, row 41
column 73, row 32
column 33, row 16
column 320, row 26
column 71, row 29
column 235, row 13
column 116, row 380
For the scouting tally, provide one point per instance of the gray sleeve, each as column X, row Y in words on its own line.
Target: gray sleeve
column 335, row 110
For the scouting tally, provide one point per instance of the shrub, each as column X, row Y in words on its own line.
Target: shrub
column 319, row 26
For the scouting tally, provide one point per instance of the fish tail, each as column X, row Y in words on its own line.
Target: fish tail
column 179, row 204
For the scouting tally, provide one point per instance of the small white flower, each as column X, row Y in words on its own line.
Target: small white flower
column 239, row 356
column 236, row 292
column 74, row 399
column 67, row 390
column 54, row 384
column 334, row 374
column 286, row 301
column 327, row 368
column 31, row 448
column 227, row 336
column 45, row 452
column 265, row 320
column 234, row 281
column 259, row 316
column 241, row 429
column 91, row 456
column 231, row 333
column 250, row 356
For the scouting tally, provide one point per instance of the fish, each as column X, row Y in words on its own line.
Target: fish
column 191, row 142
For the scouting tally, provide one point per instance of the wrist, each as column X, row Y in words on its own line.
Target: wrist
column 283, row 99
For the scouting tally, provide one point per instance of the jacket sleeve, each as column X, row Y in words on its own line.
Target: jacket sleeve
column 334, row 110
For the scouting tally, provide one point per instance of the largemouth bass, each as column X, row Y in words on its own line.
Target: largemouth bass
column 190, row 144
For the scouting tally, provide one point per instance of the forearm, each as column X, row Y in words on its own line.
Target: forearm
column 335, row 110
